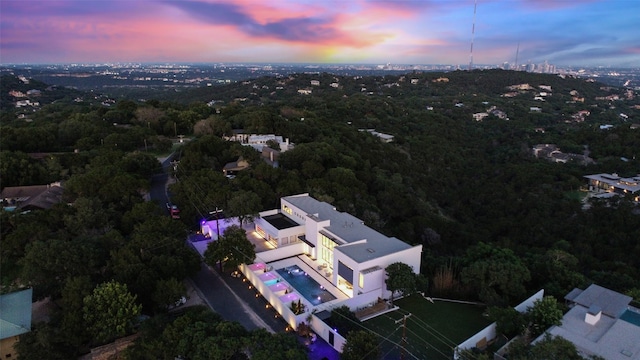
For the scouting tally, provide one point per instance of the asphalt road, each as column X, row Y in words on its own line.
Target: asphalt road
column 226, row 295
column 234, row 301
column 158, row 189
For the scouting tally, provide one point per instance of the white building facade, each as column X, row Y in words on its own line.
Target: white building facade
column 352, row 255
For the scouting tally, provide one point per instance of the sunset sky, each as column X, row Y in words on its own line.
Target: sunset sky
column 562, row 32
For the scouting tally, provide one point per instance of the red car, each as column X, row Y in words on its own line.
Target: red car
column 173, row 211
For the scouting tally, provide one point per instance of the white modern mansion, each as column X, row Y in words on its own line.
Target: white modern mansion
column 339, row 259
column 352, row 255
column 604, row 185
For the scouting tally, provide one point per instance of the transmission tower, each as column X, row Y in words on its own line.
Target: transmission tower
column 473, row 31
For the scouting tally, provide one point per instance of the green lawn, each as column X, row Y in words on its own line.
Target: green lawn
column 576, row 195
column 433, row 329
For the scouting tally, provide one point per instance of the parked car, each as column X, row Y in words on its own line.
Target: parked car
column 178, row 303
column 174, row 211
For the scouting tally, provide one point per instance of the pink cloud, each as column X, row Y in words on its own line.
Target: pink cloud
column 544, row 5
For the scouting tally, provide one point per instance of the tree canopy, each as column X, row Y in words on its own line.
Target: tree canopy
column 110, row 310
column 231, row 249
column 400, row 278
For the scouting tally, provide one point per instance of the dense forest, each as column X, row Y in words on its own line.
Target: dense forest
column 496, row 222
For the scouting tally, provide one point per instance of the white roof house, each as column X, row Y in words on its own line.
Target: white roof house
column 354, row 254
column 601, row 322
column 344, row 258
column 259, row 141
column 612, row 183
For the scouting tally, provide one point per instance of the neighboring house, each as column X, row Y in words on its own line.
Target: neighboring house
column 383, row 137
column 607, row 184
column 551, row 152
column 499, row 113
column 259, row 141
column 602, row 323
column 479, row 116
column 544, row 150
column 31, row 197
column 15, row 320
column 270, row 155
column 230, row 169
column 559, row 157
column 520, row 87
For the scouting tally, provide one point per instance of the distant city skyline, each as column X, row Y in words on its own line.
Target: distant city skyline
column 560, row 32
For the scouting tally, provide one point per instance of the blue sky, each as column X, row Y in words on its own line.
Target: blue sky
column 562, row 32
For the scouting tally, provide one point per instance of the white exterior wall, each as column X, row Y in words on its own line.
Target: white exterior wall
column 273, row 299
column 373, row 281
column 312, row 230
column 280, row 253
column 287, row 233
column 323, row 331
column 297, row 214
column 274, row 232
column 411, row 257
column 489, row 333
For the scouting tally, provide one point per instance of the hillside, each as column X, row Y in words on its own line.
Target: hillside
column 459, row 171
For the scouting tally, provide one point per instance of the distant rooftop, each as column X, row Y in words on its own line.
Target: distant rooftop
column 607, row 335
column 611, row 303
column 15, row 313
column 631, row 184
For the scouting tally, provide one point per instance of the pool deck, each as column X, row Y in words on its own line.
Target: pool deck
column 315, row 275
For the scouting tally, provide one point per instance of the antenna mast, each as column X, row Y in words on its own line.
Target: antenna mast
column 473, row 31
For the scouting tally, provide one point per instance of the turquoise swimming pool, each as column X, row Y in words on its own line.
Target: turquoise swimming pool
column 631, row 317
column 305, row 285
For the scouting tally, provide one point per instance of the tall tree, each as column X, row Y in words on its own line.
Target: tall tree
column 344, row 320
column 110, row 310
column 400, row 278
column 245, row 205
column 498, row 275
column 262, row 345
column 543, row 314
column 361, row 344
column 232, row 248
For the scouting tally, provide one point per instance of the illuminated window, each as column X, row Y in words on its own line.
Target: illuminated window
column 287, row 209
column 361, row 281
column 327, row 250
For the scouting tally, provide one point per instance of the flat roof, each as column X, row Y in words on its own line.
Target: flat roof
column 610, row 338
column 361, row 243
column 631, row 184
column 15, row 313
column 612, row 303
column 280, row 221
